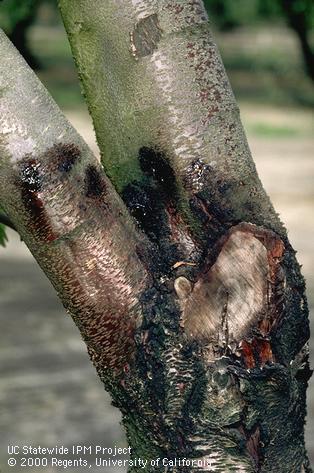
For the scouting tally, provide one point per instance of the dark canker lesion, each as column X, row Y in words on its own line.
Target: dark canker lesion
column 30, row 181
column 94, row 182
column 33, row 176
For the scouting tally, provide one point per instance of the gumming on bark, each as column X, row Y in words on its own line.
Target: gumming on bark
column 175, row 267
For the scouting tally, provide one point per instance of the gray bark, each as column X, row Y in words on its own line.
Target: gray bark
column 55, row 192
column 216, row 367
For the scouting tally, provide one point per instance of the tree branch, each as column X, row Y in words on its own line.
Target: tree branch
column 166, row 101
column 227, row 294
column 221, row 350
column 67, row 212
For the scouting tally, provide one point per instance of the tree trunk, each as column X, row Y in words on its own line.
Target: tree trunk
column 195, row 317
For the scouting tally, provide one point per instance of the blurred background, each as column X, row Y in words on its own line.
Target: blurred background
column 50, row 394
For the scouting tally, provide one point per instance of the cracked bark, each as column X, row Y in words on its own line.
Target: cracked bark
column 201, row 337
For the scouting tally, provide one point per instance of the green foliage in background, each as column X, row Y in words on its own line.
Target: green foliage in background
column 298, row 14
column 228, row 14
column 225, row 13
column 13, row 12
column 305, row 7
column 3, row 237
column 16, row 16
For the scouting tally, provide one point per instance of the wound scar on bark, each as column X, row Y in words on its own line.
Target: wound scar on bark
column 242, row 270
column 145, row 36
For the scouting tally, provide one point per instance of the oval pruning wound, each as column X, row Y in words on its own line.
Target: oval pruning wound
column 145, row 36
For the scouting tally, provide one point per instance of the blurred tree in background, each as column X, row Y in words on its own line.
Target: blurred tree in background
column 17, row 15
column 228, row 14
column 299, row 15
column 3, row 236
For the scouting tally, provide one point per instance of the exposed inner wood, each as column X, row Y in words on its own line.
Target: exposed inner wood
column 232, row 296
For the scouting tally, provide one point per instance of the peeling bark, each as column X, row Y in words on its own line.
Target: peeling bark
column 214, row 369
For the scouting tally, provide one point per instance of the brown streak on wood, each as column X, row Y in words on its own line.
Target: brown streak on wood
column 256, row 352
column 178, row 264
column 247, row 354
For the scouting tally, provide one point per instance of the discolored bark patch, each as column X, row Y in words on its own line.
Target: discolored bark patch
column 155, row 165
column 146, row 205
column 60, row 157
column 30, row 176
column 145, row 36
column 65, row 155
column 95, row 185
column 196, row 176
column 253, row 438
column 256, row 352
column 154, row 204
column 30, row 182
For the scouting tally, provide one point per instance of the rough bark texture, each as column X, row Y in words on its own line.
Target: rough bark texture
column 58, row 197
column 218, row 369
